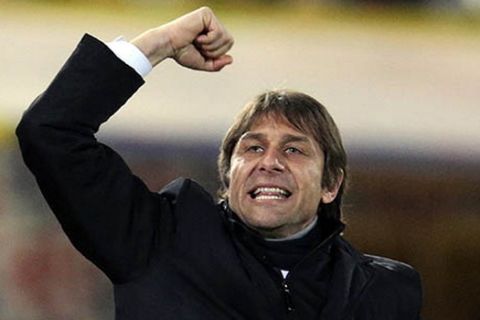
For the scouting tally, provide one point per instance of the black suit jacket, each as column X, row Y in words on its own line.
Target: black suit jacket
column 175, row 254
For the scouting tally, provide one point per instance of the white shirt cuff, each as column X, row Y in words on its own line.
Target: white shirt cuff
column 131, row 55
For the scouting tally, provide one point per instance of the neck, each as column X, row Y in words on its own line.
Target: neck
column 298, row 234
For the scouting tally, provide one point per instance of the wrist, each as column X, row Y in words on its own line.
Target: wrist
column 131, row 55
column 155, row 45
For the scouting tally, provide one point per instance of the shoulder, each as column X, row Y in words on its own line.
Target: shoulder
column 184, row 189
column 197, row 223
column 395, row 277
column 395, row 285
column 382, row 267
column 189, row 201
column 391, row 269
column 389, row 285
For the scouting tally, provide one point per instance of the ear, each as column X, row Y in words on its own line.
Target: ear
column 330, row 194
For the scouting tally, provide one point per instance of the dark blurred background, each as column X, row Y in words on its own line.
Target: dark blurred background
column 401, row 78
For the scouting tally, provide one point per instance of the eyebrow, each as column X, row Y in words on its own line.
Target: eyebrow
column 294, row 138
column 252, row 136
column 288, row 138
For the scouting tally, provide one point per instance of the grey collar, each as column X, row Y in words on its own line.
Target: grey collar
column 297, row 235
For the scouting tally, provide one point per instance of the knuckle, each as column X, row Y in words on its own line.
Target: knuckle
column 206, row 9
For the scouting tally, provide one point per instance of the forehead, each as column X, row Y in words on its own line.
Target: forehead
column 275, row 124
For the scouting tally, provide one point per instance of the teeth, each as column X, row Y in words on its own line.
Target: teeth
column 270, row 190
column 268, row 197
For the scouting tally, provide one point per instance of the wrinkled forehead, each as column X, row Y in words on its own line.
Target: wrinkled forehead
column 273, row 119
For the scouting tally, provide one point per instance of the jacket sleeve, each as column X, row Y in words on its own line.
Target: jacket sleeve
column 108, row 213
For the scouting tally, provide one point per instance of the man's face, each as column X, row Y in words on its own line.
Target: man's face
column 275, row 178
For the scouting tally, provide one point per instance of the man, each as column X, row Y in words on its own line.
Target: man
column 272, row 249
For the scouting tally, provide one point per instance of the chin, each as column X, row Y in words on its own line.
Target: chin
column 262, row 220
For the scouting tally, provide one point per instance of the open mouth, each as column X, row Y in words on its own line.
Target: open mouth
column 269, row 193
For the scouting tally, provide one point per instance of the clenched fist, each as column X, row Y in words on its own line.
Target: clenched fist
column 196, row 40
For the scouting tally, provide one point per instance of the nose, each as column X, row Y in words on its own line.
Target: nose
column 272, row 161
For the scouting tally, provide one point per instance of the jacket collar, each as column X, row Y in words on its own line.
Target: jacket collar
column 351, row 274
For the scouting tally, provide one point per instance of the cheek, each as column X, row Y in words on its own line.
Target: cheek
column 234, row 175
column 316, row 175
column 233, row 170
column 311, row 179
column 237, row 166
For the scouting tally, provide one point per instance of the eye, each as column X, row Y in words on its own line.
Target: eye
column 293, row 150
column 255, row 149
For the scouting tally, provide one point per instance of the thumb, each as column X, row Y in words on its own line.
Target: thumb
column 220, row 62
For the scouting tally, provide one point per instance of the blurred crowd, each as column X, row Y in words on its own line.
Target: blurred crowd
column 422, row 211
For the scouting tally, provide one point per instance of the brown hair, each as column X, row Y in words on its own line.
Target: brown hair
column 308, row 116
